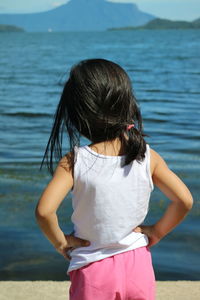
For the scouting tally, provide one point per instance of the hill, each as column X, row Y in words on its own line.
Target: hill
column 164, row 24
column 10, row 28
column 80, row 15
column 197, row 21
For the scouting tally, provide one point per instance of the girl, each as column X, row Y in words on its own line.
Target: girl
column 111, row 181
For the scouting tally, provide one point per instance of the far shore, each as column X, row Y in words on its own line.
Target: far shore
column 59, row 290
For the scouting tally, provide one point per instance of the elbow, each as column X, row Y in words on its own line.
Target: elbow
column 40, row 213
column 188, row 203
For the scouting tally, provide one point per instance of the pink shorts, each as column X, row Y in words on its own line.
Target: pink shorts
column 125, row 276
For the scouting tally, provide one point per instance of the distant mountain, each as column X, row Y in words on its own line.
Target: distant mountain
column 164, row 24
column 10, row 28
column 80, row 15
column 197, row 21
column 168, row 24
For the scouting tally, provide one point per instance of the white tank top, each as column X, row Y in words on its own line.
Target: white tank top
column 108, row 201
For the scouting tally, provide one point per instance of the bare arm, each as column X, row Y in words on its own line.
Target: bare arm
column 46, row 208
column 176, row 191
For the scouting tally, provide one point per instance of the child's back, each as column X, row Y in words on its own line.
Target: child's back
column 108, row 201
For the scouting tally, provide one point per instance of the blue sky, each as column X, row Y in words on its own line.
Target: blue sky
column 171, row 9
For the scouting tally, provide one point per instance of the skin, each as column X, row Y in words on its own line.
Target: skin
column 62, row 182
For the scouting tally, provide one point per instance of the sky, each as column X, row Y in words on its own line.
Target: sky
column 171, row 9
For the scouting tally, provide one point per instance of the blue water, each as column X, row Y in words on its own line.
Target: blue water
column 164, row 67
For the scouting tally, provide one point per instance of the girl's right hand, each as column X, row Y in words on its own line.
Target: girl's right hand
column 72, row 243
column 150, row 232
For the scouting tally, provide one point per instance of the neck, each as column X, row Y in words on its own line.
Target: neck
column 114, row 147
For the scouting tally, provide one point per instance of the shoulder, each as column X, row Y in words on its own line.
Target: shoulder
column 161, row 173
column 157, row 161
column 64, row 169
column 155, row 156
column 66, row 161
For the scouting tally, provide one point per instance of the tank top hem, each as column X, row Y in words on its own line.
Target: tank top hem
column 141, row 242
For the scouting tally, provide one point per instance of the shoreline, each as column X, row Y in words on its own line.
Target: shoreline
column 59, row 290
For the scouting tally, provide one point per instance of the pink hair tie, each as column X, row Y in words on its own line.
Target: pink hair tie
column 130, row 126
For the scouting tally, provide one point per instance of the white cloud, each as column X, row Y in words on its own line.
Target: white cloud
column 58, row 3
column 122, row 1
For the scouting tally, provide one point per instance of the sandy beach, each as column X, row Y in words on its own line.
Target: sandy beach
column 58, row 290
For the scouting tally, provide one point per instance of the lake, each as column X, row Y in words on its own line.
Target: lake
column 164, row 67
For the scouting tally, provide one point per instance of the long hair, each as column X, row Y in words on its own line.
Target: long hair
column 98, row 103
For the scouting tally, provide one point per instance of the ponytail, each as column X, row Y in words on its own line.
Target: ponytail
column 133, row 141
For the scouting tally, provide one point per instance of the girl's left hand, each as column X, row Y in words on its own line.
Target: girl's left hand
column 150, row 232
column 72, row 243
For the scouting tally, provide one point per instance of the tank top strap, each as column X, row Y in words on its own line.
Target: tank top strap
column 148, row 165
column 76, row 167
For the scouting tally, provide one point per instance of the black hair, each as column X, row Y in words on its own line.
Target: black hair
column 98, row 103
